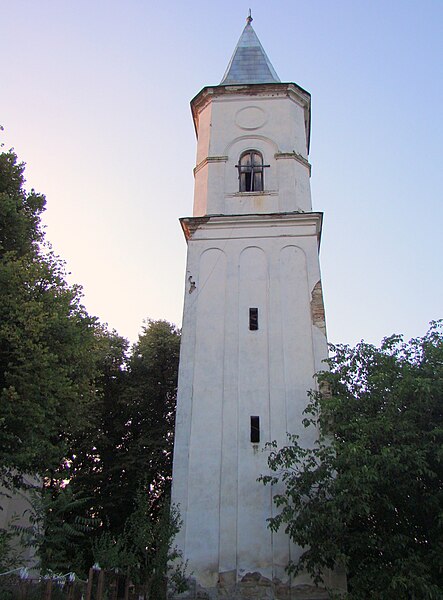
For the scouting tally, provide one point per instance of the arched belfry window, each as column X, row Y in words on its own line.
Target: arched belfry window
column 251, row 171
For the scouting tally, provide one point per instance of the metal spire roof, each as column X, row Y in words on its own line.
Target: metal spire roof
column 249, row 63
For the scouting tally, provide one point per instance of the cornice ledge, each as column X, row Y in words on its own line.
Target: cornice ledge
column 209, row 159
column 206, row 94
column 191, row 224
column 298, row 215
column 295, row 156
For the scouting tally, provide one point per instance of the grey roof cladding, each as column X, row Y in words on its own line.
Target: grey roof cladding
column 249, row 63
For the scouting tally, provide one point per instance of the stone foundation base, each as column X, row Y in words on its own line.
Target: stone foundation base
column 253, row 586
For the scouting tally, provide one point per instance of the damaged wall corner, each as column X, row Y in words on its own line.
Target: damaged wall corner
column 318, row 308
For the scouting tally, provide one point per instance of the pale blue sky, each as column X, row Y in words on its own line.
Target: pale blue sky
column 94, row 96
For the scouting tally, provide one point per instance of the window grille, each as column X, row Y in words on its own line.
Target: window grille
column 251, row 171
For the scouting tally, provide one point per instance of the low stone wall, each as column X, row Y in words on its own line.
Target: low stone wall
column 253, row 586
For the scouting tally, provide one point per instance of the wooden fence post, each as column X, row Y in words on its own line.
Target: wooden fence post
column 22, row 589
column 71, row 585
column 48, row 590
column 113, row 585
column 89, row 585
column 127, row 583
column 101, row 584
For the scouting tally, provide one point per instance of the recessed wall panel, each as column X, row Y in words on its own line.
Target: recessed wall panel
column 202, row 527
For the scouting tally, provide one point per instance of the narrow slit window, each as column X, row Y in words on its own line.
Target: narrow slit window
column 255, row 430
column 253, row 319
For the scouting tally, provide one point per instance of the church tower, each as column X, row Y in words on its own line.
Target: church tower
column 253, row 325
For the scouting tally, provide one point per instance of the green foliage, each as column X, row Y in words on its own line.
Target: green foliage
column 109, row 551
column 20, row 229
column 132, row 434
column 47, row 340
column 92, row 466
column 150, row 400
column 145, row 548
column 93, row 423
column 127, row 442
column 55, row 528
column 369, row 494
column 149, row 537
column 10, row 557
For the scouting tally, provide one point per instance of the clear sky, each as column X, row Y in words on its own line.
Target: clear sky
column 94, row 97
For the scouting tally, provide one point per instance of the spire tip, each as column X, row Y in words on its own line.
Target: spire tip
column 249, row 18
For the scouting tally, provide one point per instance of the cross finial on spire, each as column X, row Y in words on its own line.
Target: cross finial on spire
column 249, row 17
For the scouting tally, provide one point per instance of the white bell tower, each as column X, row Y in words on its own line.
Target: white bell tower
column 253, row 326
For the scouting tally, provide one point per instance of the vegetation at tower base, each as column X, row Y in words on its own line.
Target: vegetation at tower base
column 93, row 419
column 369, row 495
column 129, row 451
column 145, row 549
column 118, row 470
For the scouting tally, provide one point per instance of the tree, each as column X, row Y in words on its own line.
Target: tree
column 20, row 228
column 54, row 529
column 95, row 425
column 51, row 354
column 132, row 437
column 369, row 494
column 150, row 399
column 128, row 448
column 145, row 549
column 92, row 466
column 47, row 340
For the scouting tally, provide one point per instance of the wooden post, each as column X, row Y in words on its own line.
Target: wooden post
column 22, row 589
column 48, row 590
column 127, row 584
column 114, row 586
column 71, row 585
column 101, row 584
column 89, row 585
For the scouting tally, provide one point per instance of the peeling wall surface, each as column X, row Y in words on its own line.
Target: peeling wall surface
column 248, row 254
column 318, row 308
column 253, row 586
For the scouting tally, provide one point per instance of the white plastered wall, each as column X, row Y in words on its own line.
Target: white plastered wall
column 229, row 373
column 274, row 125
